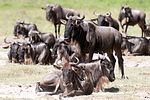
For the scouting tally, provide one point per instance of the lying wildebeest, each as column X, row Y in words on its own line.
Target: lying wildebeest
column 94, row 39
column 51, row 83
column 27, row 49
column 13, row 52
column 99, row 68
column 136, row 45
column 75, row 84
column 106, row 20
column 22, row 28
column 55, row 13
column 47, row 38
column 72, row 77
column 21, row 51
column 41, row 53
column 128, row 16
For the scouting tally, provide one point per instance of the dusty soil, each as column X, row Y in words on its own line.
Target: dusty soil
column 27, row 91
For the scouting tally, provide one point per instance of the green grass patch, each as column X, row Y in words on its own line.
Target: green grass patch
column 22, row 74
column 30, row 11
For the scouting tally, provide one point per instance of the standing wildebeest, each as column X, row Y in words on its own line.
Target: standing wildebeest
column 106, row 20
column 136, row 45
column 55, row 13
column 94, row 39
column 128, row 16
column 47, row 38
column 22, row 28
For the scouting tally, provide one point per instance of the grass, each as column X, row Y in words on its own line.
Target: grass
column 22, row 74
column 29, row 10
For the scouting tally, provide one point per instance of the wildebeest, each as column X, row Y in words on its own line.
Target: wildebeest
column 99, row 68
column 22, row 28
column 47, row 38
column 13, row 52
column 52, row 83
column 128, row 16
column 74, row 84
column 112, row 22
column 106, row 20
column 41, row 53
column 61, row 45
column 72, row 77
column 136, row 45
column 27, row 49
column 20, row 51
column 55, row 13
column 92, row 39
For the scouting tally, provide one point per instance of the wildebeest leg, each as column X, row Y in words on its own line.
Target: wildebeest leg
column 126, row 28
column 143, row 27
column 38, row 88
column 56, row 88
column 120, row 61
column 111, row 57
column 55, row 30
column 59, row 30
column 112, row 60
column 90, row 54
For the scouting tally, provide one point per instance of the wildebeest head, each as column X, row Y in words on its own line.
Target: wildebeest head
column 27, row 53
column 101, row 19
column 125, row 15
column 14, row 52
column 34, row 37
column 72, row 24
column 19, row 29
column 50, row 11
column 60, row 44
column 108, row 69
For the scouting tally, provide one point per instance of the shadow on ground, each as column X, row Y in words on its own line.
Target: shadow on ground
column 112, row 89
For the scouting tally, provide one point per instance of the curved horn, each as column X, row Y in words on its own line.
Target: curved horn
column 81, row 18
column 5, row 40
column 96, row 14
column 72, row 63
column 67, row 17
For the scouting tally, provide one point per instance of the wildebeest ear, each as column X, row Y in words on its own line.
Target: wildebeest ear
column 122, row 7
column 43, row 8
column 90, row 37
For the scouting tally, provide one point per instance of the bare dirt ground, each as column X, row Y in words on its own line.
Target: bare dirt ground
column 136, row 87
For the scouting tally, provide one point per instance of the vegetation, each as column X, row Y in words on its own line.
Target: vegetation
column 30, row 11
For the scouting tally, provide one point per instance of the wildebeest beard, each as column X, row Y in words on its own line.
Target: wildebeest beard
column 79, row 36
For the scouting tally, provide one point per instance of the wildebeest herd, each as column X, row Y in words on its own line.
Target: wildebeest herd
column 78, row 73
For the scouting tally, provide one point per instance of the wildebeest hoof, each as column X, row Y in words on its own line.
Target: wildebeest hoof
column 123, row 77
